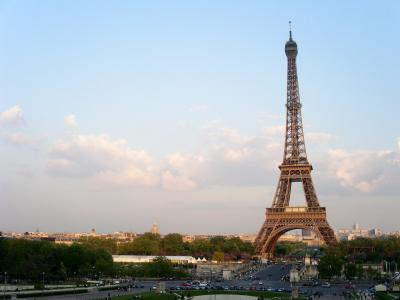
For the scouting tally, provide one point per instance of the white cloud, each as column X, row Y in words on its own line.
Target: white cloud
column 319, row 137
column 63, row 167
column 182, row 172
column 129, row 176
column 220, row 133
column 17, row 138
column 366, row 171
column 102, row 158
column 227, row 158
column 237, row 159
column 12, row 116
column 177, row 182
column 275, row 131
column 101, row 149
column 231, row 145
column 70, row 121
column 245, row 160
column 185, row 164
column 236, row 154
column 110, row 161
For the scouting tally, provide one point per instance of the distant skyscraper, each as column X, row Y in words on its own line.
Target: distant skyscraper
column 154, row 229
column 356, row 226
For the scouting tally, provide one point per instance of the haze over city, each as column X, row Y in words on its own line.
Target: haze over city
column 114, row 115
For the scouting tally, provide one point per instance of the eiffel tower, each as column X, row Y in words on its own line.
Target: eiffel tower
column 281, row 217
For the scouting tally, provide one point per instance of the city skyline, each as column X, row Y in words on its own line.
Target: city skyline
column 113, row 116
column 307, row 236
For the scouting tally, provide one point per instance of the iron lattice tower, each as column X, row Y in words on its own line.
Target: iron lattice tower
column 295, row 167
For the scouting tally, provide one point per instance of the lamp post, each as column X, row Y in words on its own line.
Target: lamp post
column 42, row 283
column 5, row 282
column 390, row 266
column 75, row 282
column 387, row 264
column 395, row 265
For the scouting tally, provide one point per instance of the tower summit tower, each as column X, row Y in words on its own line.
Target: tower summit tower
column 295, row 167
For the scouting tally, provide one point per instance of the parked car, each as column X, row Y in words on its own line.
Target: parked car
column 349, row 285
column 326, row 285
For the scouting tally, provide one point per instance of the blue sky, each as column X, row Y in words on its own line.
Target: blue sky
column 202, row 82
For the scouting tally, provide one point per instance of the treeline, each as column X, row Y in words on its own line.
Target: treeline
column 173, row 244
column 44, row 260
column 286, row 248
column 92, row 257
column 39, row 261
column 364, row 250
column 159, row 267
column 357, row 258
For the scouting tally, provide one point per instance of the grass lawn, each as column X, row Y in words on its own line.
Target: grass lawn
column 147, row 296
column 155, row 296
column 263, row 294
column 384, row 296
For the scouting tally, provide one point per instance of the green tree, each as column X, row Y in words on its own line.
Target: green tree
column 234, row 248
column 98, row 243
column 350, row 270
column 62, row 270
column 26, row 259
column 289, row 248
column 372, row 273
column 147, row 244
column 359, row 271
column 201, row 248
column 160, row 267
column 172, row 244
column 330, row 265
column 218, row 256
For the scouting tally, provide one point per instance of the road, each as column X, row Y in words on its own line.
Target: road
column 269, row 276
column 95, row 294
column 274, row 272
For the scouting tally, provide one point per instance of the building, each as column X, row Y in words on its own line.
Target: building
column 139, row 259
column 357, row 232
column 227, row 270
column 154, row 229
column 189, row 238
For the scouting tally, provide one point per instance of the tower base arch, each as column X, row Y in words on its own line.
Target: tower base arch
column 279, row 221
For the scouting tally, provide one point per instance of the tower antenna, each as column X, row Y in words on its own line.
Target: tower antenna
column 290, row 29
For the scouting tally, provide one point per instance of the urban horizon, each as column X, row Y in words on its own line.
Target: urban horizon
column 163, row 233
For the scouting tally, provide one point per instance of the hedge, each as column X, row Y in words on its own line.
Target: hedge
column 52, row 293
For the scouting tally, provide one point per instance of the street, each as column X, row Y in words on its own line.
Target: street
column 267, row 279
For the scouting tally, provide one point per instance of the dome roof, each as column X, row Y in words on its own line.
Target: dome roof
column 291, row 46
